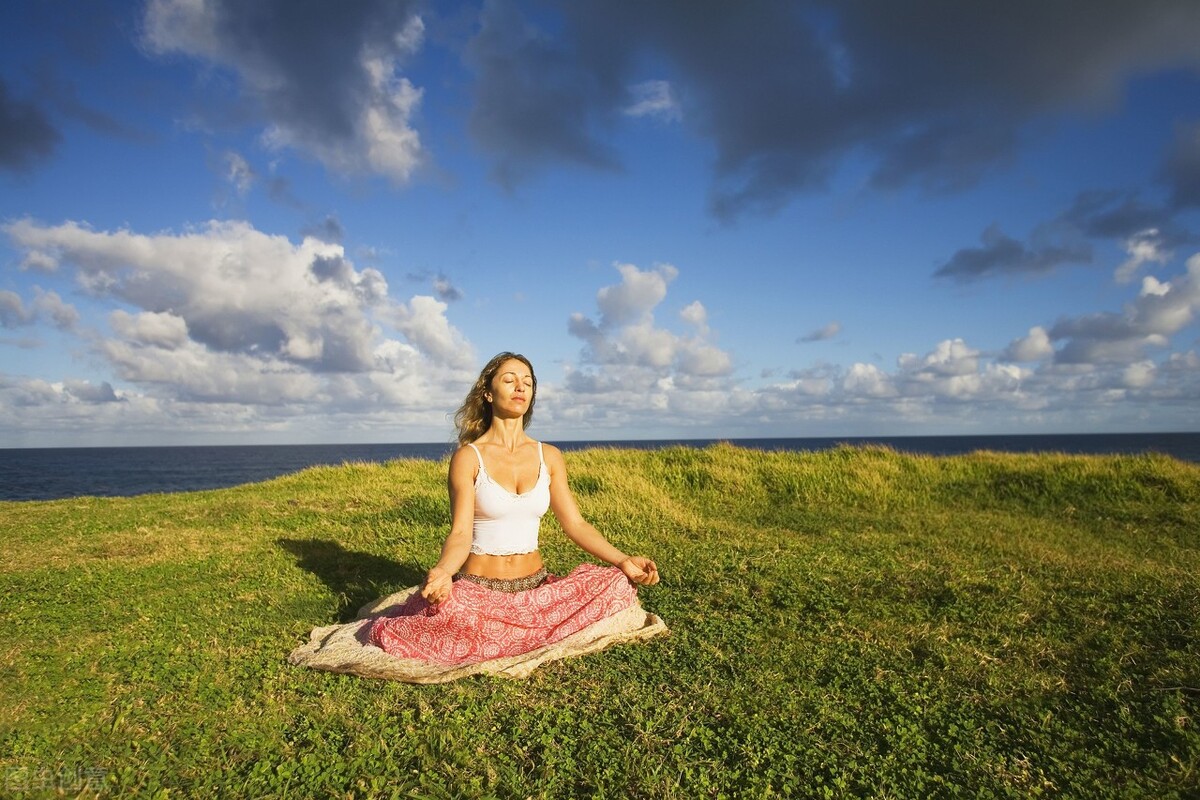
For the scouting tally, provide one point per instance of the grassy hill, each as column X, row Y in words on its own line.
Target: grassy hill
column 845, row 622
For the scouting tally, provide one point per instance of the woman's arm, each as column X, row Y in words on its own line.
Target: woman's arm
column 638, row 569
column 456, row 548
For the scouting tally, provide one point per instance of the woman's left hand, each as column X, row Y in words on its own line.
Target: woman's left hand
column 438, row 585
column 640, row 570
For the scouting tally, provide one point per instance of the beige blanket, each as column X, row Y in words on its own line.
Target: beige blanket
column 340, row 648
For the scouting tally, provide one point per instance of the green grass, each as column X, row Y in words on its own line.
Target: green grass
column 852, row 622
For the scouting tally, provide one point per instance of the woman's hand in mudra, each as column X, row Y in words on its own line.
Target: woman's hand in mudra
column 437, row 586
column 640, row 570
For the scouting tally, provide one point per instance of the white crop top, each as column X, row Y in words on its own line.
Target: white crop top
column 507, row 523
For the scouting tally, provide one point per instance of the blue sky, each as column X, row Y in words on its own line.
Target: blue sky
column 275, row 222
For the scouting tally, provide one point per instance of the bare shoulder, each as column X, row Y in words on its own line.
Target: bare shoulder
column 553, row 458
column 464, row 461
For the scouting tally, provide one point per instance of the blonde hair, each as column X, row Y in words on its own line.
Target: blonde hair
column 474, row 416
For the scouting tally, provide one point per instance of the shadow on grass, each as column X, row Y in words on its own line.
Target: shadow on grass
column 355, row 578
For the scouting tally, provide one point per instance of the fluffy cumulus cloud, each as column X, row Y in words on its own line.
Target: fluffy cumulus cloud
column 15, row 312
column 630, row 361
column 785, row 90
column 627, row 335
column 952, row 372
column 227, row 314
column 1160, row 310
column 637, row 375
column 326, row 80
column 1033, row 346
column 1144, row 247
column 1131, row 366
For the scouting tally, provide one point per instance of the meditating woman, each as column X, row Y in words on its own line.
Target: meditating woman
column 489, row 595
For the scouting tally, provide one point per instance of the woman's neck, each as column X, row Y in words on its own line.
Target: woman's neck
column 507, row 433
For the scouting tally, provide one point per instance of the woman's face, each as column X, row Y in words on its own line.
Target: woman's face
column 512, row 389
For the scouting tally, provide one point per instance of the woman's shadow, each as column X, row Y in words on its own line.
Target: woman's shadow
column 355, row 578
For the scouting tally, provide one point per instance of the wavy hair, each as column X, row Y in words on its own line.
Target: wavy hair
column 474, row 416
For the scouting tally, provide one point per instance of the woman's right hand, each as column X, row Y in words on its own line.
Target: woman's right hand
column 437, row 586
column 640, row 570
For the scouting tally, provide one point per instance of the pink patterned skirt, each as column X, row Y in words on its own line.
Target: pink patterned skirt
column 478, row 624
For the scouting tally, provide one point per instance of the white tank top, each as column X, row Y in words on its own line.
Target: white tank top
column 506, row 523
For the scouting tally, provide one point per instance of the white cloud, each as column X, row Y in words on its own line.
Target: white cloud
column 950, row 358
column 228, row 315
column 627, row 336
column 39, row 262
column 655, row 99
column 236, row 288
column 1034, row 346
column 643, row 344
column 696, row 314
column 239, row 173
column 423, row 322
column 1160, row 311
column 1139, row 375
column 635, row 297
column 194, row 372
column 383, row 141
column 629, row 362
column 1143, row 248
column 158, row 329
column 703, row 360
column 868, row 380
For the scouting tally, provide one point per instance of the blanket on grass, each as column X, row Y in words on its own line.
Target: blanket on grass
column 346, row 648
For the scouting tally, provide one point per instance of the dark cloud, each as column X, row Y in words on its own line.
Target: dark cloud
column 821, row 334
column 312, row 49
column 63, row 96
column 332, row 268
column 314, row 68
column 26, row 133
column 1001, row 254
column 1182, row 169
column 446, row 291
column 280, row 190
column 534, row 100
column 935, row 92
column 13, row 312
column 443, row 287
column 1123, row 215
column 88, row 392
column 327, row 230
column 1159, row 312
column 1095, row 214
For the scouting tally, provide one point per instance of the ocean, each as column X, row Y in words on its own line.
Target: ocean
column 54, row 473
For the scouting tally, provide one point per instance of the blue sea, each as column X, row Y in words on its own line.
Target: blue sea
column 53, row 473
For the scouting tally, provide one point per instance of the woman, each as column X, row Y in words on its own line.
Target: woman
column 489, row 594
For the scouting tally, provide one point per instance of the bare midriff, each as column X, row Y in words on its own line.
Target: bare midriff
column 514, row 566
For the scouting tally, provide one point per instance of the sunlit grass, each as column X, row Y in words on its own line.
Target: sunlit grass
column 846, row 622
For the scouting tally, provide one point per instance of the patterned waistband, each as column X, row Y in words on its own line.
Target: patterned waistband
column 506, row 585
